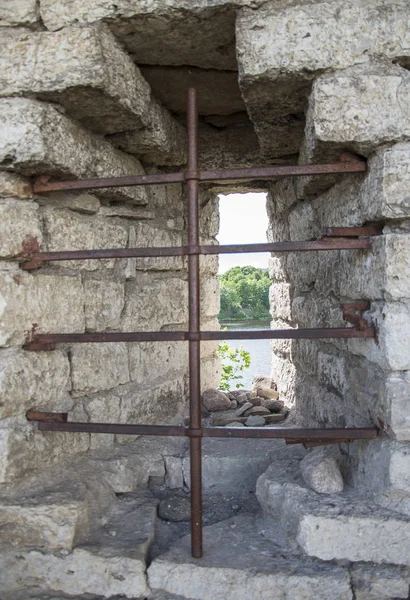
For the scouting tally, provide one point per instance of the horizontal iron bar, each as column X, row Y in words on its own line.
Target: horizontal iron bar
column 315, row 245
column 178, row 336
column 354, row 166
column 363, row 433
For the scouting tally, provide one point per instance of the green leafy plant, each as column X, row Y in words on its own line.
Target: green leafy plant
column 234, row 361
column 244, row 293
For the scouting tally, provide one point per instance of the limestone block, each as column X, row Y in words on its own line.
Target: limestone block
column 96, row 367
column 19, row 227
column 167, row 83
column 23, row 448
column 32, row 380
column 230, row 147
column 210, row 297
column 191, row 33
column 52, row 521
column 104, row 302
column 392, row 351
column 356, row 538
column 283, row 372
column 280, row 301
column 359, row 109
column 80, row 202
column 333, row 371
column 37, row 139
column 149, row 235
column 210, row 372
column 66, row 230
column 281, row 49
column 96, row 82
column 398, row 399
column 162, row 142
column 84, row 571
column 379, row 583
column 40, row 303
column 153, row 304
column 321, row 473
column 303, row 223
column 209, row 217
column 173, row 472
column 23, row 12
column 151, row 360
column 14, row 186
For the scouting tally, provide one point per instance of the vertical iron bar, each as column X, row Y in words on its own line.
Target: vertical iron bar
column 192, row 178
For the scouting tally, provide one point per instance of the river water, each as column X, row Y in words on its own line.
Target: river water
column 259, row 349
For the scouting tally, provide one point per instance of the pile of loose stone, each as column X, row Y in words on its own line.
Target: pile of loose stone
column 257, row 407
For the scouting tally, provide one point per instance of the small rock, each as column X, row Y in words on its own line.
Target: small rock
column 275, row 418
column 273, row 405
column 263, row 381
column 255, row 400
column 220, row 419
column 235, row 424
column 321, row 472
column 175, row 508
column 233, row 395
column 267, row 393
column 234, row 404
column 215, row 400
column 243, row 408
column 255, row 421
column 257, row 410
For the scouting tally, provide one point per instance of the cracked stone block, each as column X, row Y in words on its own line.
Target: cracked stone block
column 80, row 202
column 40, row 303
column 150, row 360
column 191, row 33
column 23, row 12
column 380, row 583
column 36, row 138
column 104, row 302
column 32, row 380
column 257, row 567
column 281, row 49
column 19, row 227
column 162, row 142
column 153, row 304
column 97, row 367
column 51, row 521
column 84, row 69
column 67, row 230
column 23, row 448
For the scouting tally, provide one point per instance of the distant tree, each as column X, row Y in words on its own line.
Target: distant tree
column 244, row 293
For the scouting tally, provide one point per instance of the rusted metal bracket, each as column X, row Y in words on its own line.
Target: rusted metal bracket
column 352, row 313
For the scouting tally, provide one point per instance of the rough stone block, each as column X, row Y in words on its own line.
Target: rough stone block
column 96, row 81
column 162, row 142
column 152, row 360
column 40, row 303
column 66, row 230
column 149, row 235
column 37, row 139
column 23, row 12
column 282, row 49
column 210, row 372
column 303, row 224
column 14, row 186
column 173, row 472
column 392, row 351
column 96, row 367
column 104, row 302
column 280, row 301
column 229, row 147
column 153, row 304
column 210, row 297
column 380, row 583
column 32, row 380
column 398, row 398
column 19, row 227
column 81, row 202
column 51, row 522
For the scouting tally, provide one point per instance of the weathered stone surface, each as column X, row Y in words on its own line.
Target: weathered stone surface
column 267, row 393
column 162, row 141
column 97, row 82
column 51, row 522
column 152, row 360
column 45, row 303
column 14, row 186
column 169, row 84
column 149, row 235
column 231, row 147
column 96, row 367
column 32, row 380
column 80, row 202
column 24, row 12
column 36, row 139
column 175, row 508
column 280, row 300
column 397, row 397
column 191, row 33
column 321, row 472
column 259, row 567
column 255, row 421
column 256, row 410
column 273, row 405
column 169, row 307
column 246, row 406
column 104, row 302
column 19, row 227
column 380, row 583
column 173, row 472
column 215, row 400
column 66, row 230
column 282, row 49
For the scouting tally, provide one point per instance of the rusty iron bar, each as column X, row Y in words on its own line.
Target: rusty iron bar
column 46, row 422
column 36, row 415
column 353, row 165
column 195, row 417
column 370, row 230
column 37, row 259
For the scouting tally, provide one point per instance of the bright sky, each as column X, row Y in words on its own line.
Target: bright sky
column 243, row 220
